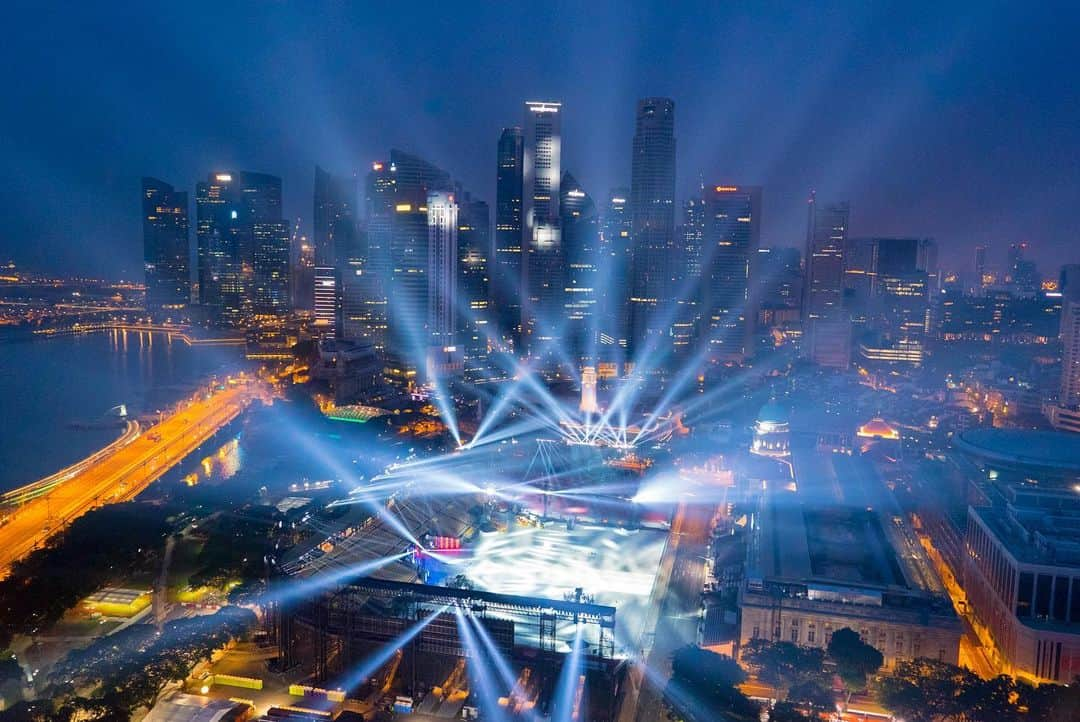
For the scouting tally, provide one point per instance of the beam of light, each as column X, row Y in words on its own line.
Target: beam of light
column 481, row 680
column 567, row 705
column 294, row 588
column 502, row 665
column 371, row 665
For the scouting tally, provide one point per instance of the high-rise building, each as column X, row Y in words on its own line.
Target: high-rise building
column 326, row 301
column 270, row 291
column 165, row 245
column 614, row 274
column 896, row 305
column 981, row 281
column 825, row 240
column 230, row 205
column 826, row 322
column 1069, row 393
column 581, row 240
column 543, row 262
column 731, row 237
column 506, row 259
column 652, row 214
column 476, row 331
column 442, row 248
column 303, row 273
column 334, row 218
column 409, row 284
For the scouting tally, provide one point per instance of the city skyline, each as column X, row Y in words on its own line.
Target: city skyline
column 875, row 147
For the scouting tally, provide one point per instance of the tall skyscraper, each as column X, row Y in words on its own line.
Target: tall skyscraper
column 581, row 240
column 271, row 291
column 165, row 245
column 236, row 211
column 543, row 263
column 506, row 259
column 1069, row 393
column 476, row 331
column 442, row 248
column 334, row 218
column 730, row 241
column 652, row 220
column 826, row 322
column 409, row 284
column 614, row 273
column 326, row 301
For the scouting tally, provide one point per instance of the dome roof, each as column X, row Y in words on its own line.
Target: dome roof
column 774, row 412
column 879, row 428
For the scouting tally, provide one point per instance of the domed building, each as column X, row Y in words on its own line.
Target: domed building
column 772, row 431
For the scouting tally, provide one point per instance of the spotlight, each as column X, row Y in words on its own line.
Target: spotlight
column 490, row 490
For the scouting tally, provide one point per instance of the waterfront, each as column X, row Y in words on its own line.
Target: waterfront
column 57, row 392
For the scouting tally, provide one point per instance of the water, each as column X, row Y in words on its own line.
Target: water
column 55, row 393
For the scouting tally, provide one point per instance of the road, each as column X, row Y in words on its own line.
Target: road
column 41, row 486
column 125, row 472
column 676, row 599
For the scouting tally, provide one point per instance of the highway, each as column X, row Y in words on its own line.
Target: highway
column 124, row 472
column 675, row 605
column 41, row 486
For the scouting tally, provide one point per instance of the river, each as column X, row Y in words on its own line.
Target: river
column 56, row 393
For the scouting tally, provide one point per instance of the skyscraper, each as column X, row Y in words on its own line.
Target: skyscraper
column 506, row 259
column 730, row 240
column 326, row 301
column 230, row 206
column 1069, row 393
column 474, row 289
column 165, row 245
column 614, row 272
column 270, row 253
column 334, row 218
column 543, row 263
column 826, row 323
column 442, row 214
column 652, row 220
column 409, row 285
column 581, row 239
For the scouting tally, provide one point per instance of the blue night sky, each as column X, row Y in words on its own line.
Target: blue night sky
column 959, row 121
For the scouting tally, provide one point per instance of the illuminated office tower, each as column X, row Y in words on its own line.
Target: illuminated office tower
column 229, row 206
column 614, row 272
column 1069, row 395
column 409, row 285
column 826, row 323
column 730, row 240
column 442, row 214
column 326, row 301
column 981, row 280
column 271, row 251
column 580, row 239
column 303, row 275
column 687, row 300
column 476, row 332
column 506, row 259
column 165, row 245
column 588, row 391
column 652, row 222
column 543, row 262
column 334, row 218
column 898, row 307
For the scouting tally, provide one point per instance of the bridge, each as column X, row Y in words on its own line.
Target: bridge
column 120, row 471
column 179, row 331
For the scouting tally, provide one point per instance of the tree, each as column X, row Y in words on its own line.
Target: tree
column 813, row 697
column 855, row 660
column 926, row 690
column 784, row 665
column 704, row 686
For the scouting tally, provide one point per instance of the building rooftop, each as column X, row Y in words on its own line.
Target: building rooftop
column 1041, row 449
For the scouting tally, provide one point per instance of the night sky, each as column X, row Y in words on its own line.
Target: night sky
column 934, row 119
